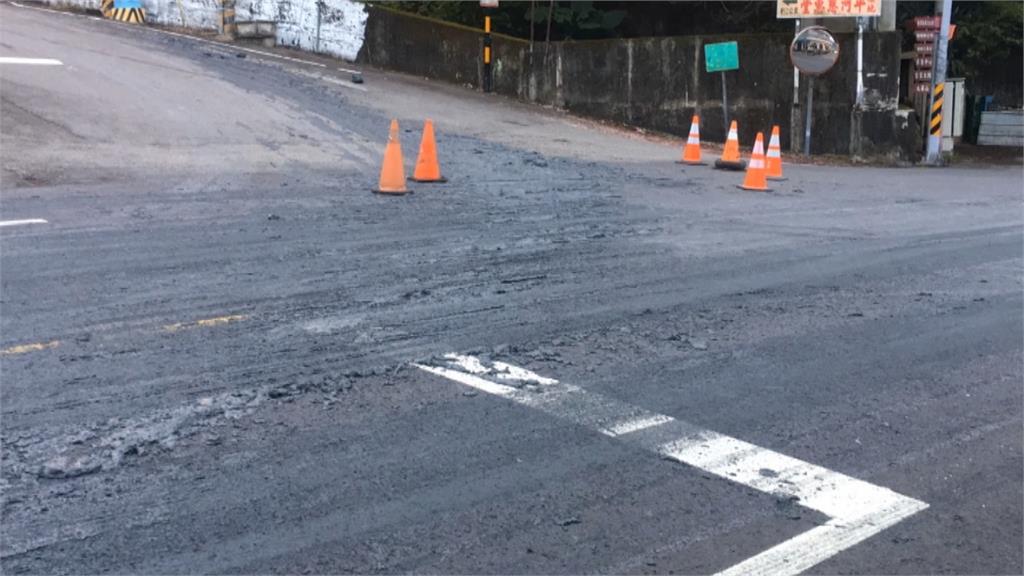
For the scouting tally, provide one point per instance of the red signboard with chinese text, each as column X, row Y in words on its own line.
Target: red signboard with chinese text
column 827, row 8
column 925, row 29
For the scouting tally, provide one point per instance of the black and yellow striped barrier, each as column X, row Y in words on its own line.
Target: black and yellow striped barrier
column 132, row 15
column 124, row 11
column 935, row 124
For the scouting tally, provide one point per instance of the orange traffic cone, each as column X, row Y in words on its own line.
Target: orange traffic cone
column 392, row 173
column 755, row 178
column 773, row 164
column 730, row 159
column 427, row 168
column 691, row 152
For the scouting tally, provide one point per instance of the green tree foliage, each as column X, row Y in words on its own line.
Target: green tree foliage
column 577, row 19
column 988, row 48
column 989, row 38
column 583, row 19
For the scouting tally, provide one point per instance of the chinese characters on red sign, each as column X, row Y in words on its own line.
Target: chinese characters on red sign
column 827, row 8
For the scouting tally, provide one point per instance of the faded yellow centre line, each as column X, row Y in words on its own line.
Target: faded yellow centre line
column 203, row 323
column 206, row 322
column 23, row 348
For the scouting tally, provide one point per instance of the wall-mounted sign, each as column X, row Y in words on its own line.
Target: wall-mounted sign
column 827, row 8
column 814, row 51
column 926, row 29
column 721, row 57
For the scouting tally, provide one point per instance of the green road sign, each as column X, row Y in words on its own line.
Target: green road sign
column 721, row 57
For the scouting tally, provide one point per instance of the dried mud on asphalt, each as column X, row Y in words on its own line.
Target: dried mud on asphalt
column 230, row 386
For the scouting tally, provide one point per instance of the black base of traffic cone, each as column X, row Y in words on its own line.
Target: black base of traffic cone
column 737, row 166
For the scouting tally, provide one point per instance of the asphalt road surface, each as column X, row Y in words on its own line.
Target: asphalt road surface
column 222, row 354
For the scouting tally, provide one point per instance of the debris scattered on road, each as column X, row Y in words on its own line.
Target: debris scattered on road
column 698, row 343
column 63, row 467
column 789, row 506
column 534, row 159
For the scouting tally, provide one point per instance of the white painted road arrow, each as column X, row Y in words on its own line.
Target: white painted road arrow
column 856, row 509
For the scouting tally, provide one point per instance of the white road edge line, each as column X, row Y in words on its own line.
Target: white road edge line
column 240, row 48
column 341, row 83
column 4, row 223
column 30, row 61
column 857, row 510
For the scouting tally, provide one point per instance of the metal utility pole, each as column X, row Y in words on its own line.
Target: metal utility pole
column 810, row 116
column 860, row 61
column 228, row 28
column 794, row 116
column 319, row 17
column 933, row 155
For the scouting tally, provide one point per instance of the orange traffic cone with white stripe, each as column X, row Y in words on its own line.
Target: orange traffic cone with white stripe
column 730, row 159
column 755, row 178
column 691, row 152
column 427, row 168
column 392, row 173
column 773, row 160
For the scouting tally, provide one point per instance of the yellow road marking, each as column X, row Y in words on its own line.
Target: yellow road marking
column 30, row 347
column 206, row 322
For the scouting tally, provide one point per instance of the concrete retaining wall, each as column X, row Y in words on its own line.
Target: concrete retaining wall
column 659, row 83
column 204, row 14
column 342, row 22
column 200, row 14
column 84, row 4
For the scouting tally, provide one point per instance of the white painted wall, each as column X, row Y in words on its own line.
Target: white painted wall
column 204, row 14
column 342, row 22
column 88, row 4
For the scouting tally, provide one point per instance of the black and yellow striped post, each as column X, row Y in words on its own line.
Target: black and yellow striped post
column 227, row 19
column 487, row 55
column 933, row 150
column 935, row 121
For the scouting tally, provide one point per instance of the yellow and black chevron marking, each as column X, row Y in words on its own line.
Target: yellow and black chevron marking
column 107, row 8
column 132, row 15
column 935, row 127
column 227, row 17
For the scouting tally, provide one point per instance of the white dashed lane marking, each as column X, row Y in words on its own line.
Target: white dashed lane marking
column 856, row 509
column 5, row 223
column 30, row 61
